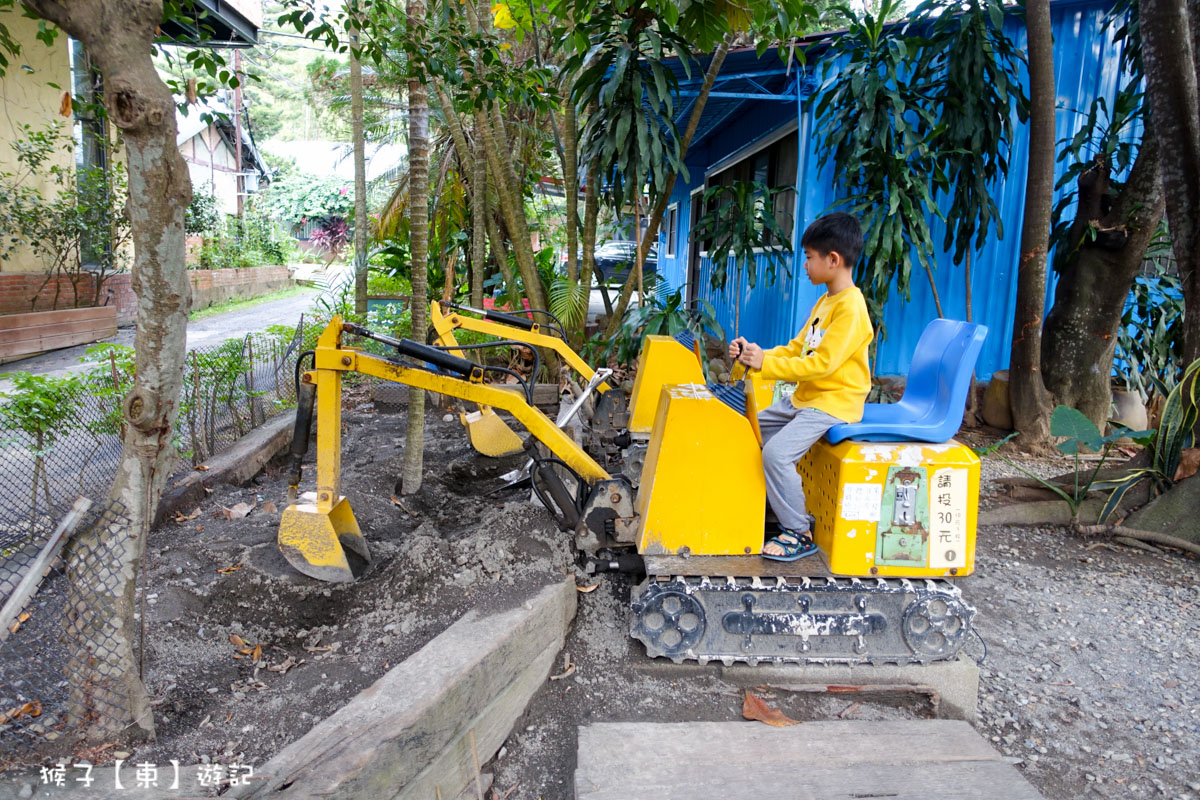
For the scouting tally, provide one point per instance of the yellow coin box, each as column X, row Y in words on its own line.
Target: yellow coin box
column 894, row 509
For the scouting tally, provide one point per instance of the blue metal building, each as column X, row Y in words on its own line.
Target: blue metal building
column 758, row 123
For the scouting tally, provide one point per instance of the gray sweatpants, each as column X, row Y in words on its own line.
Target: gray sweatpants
column 788, row 433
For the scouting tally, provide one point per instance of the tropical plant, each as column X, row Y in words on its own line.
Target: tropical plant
column 739, row 223
column 1079, row 434
column 877, row 126
column 306, row 198
column 1176, row 431
column 659, row 316
column 1110, row 212
column 1150, row 338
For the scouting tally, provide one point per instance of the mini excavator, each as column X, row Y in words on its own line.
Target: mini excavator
column 895, row 500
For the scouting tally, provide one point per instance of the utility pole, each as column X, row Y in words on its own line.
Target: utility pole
column 239, row 182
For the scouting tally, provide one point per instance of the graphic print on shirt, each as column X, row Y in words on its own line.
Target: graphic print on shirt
column 813, row 337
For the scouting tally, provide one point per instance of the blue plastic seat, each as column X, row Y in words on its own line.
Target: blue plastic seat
column 935, row 394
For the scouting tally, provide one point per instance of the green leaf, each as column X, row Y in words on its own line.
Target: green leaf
column 1077, row 428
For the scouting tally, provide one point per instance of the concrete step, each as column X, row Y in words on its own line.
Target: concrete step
column 900, row 760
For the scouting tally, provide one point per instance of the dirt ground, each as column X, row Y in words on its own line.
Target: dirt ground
column 1088, row 684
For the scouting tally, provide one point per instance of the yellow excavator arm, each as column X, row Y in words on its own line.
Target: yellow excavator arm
column 318, row 533
column 488, row 433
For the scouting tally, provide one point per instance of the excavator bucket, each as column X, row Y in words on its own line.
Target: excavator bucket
column 489, row 434
column 326, row 545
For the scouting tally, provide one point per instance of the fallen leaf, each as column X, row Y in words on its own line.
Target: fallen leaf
column 23, row 616
column 269, row 507
column 180, row 517
column 227, row 570
column 238, row 511
column 568, row 672
column 236, row 640
column 322, row 649
column 245, row 651
column 200, row 468
column 755, row 708
column 283, row 666
column 30, row 709
column 257, row 654
column 229, row 717
column 16, row 626
column 1189, row 463
column 588, row 588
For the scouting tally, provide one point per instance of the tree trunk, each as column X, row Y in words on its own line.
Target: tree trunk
column 489, row 123
column 1080, row 333
column 418, row 205
column 360, row 178
column 1027, row 392
column 474, row 163
column 591, row 212
column 479, row 212
column 660, row 206
column 571, row 188
column 118, row 36
column 1170, row 34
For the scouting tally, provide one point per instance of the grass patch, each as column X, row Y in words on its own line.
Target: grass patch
column 237, row 305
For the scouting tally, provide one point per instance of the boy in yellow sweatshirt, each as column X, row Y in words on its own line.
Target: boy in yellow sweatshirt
column 828, row 363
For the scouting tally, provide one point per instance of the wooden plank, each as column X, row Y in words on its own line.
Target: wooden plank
column 761, row 745
column 38, row 318
column 963, row 780
column 36, row 570
column 904, row 759
column 387, row 736
column 58, row 328
column 745, row 566
column 41, row 344
column 454, row 768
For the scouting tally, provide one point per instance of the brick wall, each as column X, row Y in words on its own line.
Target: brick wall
column 22, row 292
column 18, row 290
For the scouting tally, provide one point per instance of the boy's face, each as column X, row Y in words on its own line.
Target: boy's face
column 821, row 268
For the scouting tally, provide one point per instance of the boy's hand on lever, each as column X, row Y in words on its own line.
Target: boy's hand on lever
column 746, row 352
column 735, row 348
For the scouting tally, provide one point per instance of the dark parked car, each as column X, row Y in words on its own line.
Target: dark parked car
column 614, row 259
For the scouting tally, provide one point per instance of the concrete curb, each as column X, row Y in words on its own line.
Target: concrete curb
column 235, row 466
column 952, row 686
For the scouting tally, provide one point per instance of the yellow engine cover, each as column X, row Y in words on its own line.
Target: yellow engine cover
column 894, row 509
column 662, row 361
column 702, row 490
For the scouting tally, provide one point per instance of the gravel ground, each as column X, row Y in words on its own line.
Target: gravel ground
column 1089, row 684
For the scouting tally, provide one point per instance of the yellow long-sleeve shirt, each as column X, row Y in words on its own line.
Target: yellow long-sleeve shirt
column 828, row 360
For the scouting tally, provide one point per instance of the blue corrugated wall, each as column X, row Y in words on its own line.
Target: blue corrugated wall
column 1086, row 66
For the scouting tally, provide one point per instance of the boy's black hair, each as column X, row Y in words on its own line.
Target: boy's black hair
column 838, row 232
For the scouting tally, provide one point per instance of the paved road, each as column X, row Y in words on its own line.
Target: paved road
column 204, row 332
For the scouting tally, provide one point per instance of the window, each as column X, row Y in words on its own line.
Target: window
column 774, row 166
column 91, row 155
column 672, row 226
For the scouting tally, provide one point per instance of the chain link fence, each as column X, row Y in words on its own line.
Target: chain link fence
column 63, row 647
column 61, row 642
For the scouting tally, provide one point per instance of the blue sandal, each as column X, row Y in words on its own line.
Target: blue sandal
column 795, row 546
